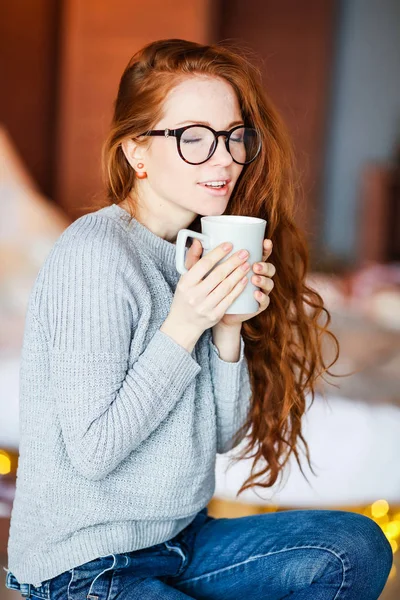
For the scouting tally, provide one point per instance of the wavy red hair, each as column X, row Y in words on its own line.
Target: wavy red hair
column 283, row 345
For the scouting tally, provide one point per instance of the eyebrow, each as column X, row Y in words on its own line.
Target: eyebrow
column 207, row 123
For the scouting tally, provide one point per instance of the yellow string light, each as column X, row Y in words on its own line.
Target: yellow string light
column 379, row 508
column 388, row 521
column 5, row 463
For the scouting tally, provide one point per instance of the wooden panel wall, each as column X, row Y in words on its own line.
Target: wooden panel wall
column 295, row 41
column 28, row 61
column 98, row 39
column 62, row 71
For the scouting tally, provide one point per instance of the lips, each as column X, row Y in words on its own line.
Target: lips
column 216, row 179
column 215, row 191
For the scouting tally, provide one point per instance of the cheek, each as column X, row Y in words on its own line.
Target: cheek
column 165, row 157
column 168, row 168
column 237, row 171
column 174, row 179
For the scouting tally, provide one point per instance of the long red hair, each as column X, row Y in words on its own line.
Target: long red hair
column 283, row 345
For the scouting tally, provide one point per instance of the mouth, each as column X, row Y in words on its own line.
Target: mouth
column 217, row 187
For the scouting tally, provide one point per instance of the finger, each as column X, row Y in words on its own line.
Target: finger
column 267, row 249
column 263, row 300
column 201, row 268
column 265, row 283
column 267, row 269
column 193, row 254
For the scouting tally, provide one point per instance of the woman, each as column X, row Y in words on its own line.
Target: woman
column 133, row 378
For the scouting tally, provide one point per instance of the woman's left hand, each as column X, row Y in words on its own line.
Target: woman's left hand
column 263, row 279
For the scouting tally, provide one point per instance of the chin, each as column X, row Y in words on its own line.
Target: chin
column 214, row 211
column 213, row 206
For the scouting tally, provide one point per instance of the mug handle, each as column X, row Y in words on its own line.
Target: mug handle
column 180, row 255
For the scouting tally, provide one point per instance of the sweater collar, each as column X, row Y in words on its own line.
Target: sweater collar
column 159, row 248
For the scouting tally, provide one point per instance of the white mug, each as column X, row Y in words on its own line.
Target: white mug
column 243, row 233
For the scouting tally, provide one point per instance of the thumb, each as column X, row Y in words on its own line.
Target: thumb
column 194, row 253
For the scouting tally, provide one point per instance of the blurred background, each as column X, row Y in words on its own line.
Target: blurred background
column 333, row 69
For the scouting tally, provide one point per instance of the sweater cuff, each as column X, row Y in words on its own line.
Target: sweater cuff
column 177, row 363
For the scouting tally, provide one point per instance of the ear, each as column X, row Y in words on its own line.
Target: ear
column 133, row 152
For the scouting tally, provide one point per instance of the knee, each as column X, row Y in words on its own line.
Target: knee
column 368, row 551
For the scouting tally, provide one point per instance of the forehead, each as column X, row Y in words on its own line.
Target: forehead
column 202, row 98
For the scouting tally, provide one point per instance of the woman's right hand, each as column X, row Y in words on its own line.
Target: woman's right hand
column 202, row 297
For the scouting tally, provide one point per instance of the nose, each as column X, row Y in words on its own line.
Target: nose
column 221, row 155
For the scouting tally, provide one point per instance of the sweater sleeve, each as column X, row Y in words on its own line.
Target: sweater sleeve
column 105, row 408
column 232, row 394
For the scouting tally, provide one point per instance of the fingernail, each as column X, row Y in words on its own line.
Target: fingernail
column 227, row 246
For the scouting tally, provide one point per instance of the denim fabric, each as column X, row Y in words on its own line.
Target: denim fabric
column 296, row 554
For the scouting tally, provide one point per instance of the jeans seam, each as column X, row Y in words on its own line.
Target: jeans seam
column 70, row 581
column 98, row 575
column 178, row 549
column 251, row 558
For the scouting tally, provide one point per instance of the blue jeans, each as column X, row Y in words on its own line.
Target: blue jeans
column 296, row 554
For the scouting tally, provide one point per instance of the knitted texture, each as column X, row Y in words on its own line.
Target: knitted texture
column 119, row 424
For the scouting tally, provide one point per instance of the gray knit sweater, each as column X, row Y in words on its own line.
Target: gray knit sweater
column 119, row 424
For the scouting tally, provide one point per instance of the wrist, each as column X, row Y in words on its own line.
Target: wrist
column 183, row 335
column 228, row 329
column 227, row 340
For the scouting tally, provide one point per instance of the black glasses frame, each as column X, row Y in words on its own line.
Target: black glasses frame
column 177, row 133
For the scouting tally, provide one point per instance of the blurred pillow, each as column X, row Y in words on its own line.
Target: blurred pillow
column 29, row 226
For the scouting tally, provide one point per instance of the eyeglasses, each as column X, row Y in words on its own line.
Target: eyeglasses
column 197, row 143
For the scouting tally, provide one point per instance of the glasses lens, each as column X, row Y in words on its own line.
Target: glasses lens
column 244, row 144
column 197, row 143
